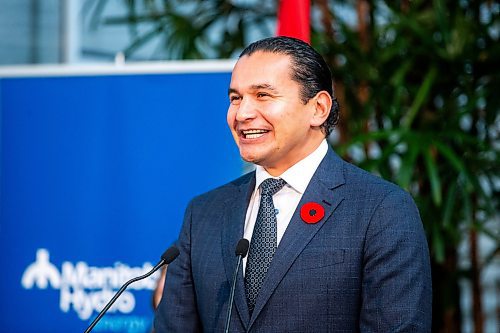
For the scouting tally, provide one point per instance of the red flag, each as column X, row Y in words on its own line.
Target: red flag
column 294, row 18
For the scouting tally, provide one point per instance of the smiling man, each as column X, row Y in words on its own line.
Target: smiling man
column 274, row 122
column 332, row 248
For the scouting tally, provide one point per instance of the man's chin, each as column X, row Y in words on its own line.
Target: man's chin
column 250, row 157
column 262, row 157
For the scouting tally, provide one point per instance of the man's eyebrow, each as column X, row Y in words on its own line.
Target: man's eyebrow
column 265, row 86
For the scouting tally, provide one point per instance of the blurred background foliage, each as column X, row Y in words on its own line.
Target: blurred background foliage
column 419, row 83
column 419, row 87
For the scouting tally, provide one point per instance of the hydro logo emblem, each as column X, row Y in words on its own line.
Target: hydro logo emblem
column 85, row 288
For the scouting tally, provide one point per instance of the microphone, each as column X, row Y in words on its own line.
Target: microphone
column 241, row 252
column 166, row 258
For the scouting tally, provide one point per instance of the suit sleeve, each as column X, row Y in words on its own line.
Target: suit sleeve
column 396, row 288
column 177, row 311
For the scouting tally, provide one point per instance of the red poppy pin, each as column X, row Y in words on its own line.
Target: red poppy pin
column 312, row 212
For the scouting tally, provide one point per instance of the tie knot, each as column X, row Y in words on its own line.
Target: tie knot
column 271, row 186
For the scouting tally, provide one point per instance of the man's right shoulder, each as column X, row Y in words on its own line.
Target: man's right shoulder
column 234, row 188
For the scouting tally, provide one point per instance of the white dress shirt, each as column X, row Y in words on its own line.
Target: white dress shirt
column 286, row 200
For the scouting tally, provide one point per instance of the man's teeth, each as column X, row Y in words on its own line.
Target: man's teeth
column 253, row 134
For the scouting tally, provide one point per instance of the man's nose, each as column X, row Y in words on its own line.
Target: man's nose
column 246, row 110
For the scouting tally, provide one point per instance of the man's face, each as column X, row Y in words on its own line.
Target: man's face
column 269, row 122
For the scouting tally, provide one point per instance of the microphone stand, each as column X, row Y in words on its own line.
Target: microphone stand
column 241, row 252
column 166, row 258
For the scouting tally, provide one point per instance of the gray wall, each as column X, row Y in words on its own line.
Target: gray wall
column 29, row 31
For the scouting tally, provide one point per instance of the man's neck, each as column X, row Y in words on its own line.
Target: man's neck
column 279, row 169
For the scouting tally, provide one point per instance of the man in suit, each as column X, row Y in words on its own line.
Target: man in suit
column 333, row 248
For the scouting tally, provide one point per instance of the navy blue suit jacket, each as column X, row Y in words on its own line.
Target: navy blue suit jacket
column 363, row 268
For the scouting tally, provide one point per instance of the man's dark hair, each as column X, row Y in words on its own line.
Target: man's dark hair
column 309, row 69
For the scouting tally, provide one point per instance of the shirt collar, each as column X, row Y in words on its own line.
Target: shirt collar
column 298, row 175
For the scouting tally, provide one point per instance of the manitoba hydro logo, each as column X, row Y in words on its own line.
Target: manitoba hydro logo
column 86, row 289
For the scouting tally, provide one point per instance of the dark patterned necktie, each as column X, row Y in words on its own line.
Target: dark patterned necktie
column 264, row 241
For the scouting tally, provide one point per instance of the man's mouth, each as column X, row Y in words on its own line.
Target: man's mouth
column 253, row 133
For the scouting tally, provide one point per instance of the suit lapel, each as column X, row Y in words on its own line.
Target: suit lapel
column 232, row 232
column 298, row 234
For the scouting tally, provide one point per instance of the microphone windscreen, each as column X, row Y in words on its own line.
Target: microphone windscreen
column 169, row 255
column 242, row 247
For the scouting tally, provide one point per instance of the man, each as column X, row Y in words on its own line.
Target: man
column 333, row 248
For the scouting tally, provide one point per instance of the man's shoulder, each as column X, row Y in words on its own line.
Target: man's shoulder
column 228, row 190
column 371, row 193
column 362, row 181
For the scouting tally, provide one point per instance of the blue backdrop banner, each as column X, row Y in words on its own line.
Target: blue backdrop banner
column 96, row 172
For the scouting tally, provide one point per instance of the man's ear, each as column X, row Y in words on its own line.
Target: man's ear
column 322, row 104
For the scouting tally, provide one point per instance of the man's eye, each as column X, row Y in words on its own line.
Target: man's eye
column 234, row 99
column 260, row 95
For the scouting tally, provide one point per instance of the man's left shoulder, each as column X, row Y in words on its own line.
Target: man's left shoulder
column 360, row 181
column 367, row 193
